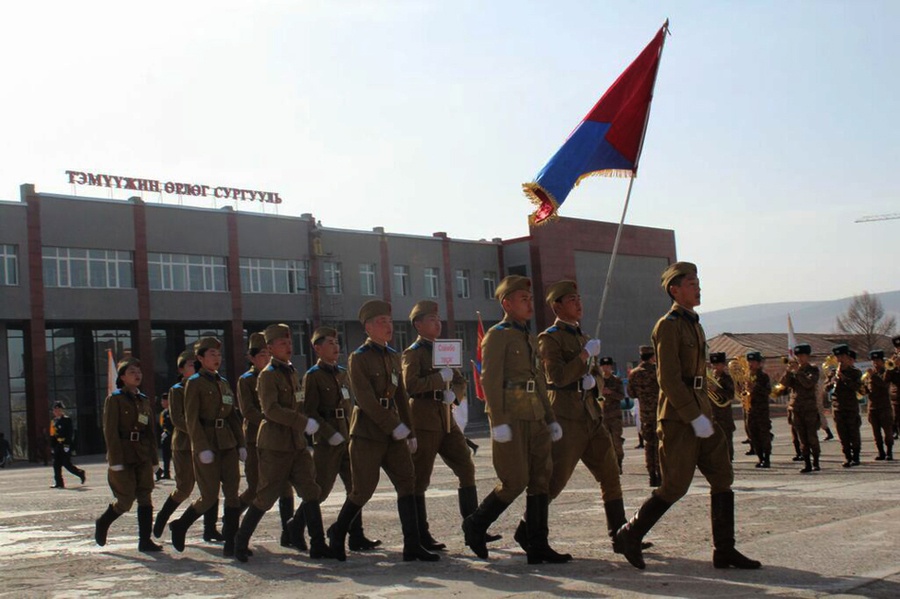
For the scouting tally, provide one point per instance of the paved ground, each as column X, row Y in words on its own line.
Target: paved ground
column 832, row 533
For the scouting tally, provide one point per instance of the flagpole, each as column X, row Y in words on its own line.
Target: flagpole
column 615, row 250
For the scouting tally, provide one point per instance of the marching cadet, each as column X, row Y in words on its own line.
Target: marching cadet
column 879, row 414
column 62, row 433
column 248, row 400
column 131, row 452
column 643, row 386
column 523, row 425
column 844, row 384
column 721, row 408
column 566, row 353
column 381, row 434
column 165, row 440
column 802, row 379
column 183, row 457
column 894, row 379
column 327, row 399
column 281, row 442
column 217, row 443
column 757, row 391
column 432, row 392
column 687, row 437
column 613, row 392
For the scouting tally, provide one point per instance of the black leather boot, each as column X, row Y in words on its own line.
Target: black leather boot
column 357, row 540
column 848, row 459
column 162, row 518
column 475, row 526
column 337, row 532
column 881, row 455
column 629, row 538
column 229, row 529
column 145, row 527
column 856, row 457
column 101, row 525
column 521, row 534
column 816, row 467
column 409, row 522
column 313, row 516
column 425, row 538
column 286, row 510
column 245, row 531
column 210, row 518
column 807, row 468
column 468, row 503
column 295, row 527
column 537, row 525
column 179, row 527
column 725, row 555
column 890, row 453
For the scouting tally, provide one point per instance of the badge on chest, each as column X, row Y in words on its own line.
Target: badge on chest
column 228, row 399
column 394, row 379
column 143, row 419
column 345, row 393
column 299, row 397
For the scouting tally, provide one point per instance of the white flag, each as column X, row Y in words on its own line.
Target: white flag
column 791, row 340
column 110, row 373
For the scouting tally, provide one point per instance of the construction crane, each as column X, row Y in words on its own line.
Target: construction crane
column 877, row 217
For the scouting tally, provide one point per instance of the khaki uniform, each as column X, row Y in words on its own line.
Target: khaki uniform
column 613, row 392
column 577, row 412
column 436, row 429
column 804, row 407
column 516, row 395
column 893, row 377
column 182, row 455
column 880, row 415
column 724, row 416
column 681, row 349
column 281, row 442
column 759, row 422
column 845, row 408
column 643, row 384
column 326, row 393
column 213, row 424
column 129, row 429
column 376, row 379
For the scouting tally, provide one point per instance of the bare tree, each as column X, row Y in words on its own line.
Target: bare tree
column 865, row 318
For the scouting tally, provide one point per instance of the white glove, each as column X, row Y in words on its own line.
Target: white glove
column 311, row 427
column 449, row 397
column 242, row 454
column 588, row 382
column 592, row 347
column 446, row 374
column 502, row 433
column 117, row 468
column 336, row 439
column 413, row 445
column 401, row 432
column 206, row 456
column 703, row 427
column 555, row 431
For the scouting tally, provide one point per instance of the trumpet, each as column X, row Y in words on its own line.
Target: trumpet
column 830, row 363
column 890, row 365
column 777, row 391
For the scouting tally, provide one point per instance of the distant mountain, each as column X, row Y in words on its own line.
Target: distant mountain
column 808, row 317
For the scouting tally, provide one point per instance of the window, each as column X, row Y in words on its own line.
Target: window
column 15, row 355
column 431, row 282
column 187, row 272
column 9, row 265
column 367, row 279
column 401, row 280
column 334, row 281
column 267, row 275
column 462, row 283
column 490, row 284
column 98, row 269
column 461, row 334
column 401, row 336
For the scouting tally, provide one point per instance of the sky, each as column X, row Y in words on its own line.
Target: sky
column 774, row 124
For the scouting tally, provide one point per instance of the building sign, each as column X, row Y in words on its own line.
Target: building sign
column 172, row 187
column 447, row 353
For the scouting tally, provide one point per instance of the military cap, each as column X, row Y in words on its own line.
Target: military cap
column 842, row 349
column 802, row 349
column 561, row 289
column 423, row 308
column 876, row 354
column 185, row 357
column 645, row 350
column 123, row 365
column 852, row 354
column 372, row 309
column 717, row 358
column 753, row 356
column 59, row 406
column 207, row 343
column 511, row 284
column 676, row 270
column 607, row 361
column 896, row 341
column 277, row 331
column 322, row 332
column 257, row 341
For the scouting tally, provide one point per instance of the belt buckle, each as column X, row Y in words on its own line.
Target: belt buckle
column 385, row 403
column 529, row 386
column 339, row 413
column 135, row 436
column 698, row 382
column 220, row 423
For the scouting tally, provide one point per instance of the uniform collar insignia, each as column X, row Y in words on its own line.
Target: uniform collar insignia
column 286, row 366
column 568, row 327
column 213, row 376
column 326, row 366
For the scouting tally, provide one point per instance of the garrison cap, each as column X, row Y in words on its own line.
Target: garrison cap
column 802, row 349
column 123, row 365
column 185, row 357
column 841, row 349
column 896, row 341
column 423, row 308
column 277, row 331
column 607, row 361
column 511, row 284
column 754, row 356
column 676, row 270
column 322, row 332
column 645, row 350
column 717, row 357
column 372, row 309
column 207, row 343
column 257, row 341
column 876, row 354
column 561, row 289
